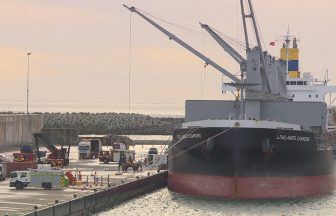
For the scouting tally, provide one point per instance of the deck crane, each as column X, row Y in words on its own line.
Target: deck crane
column 234, row 54
column 185, row 45
column 255, row 83
column 229, row 49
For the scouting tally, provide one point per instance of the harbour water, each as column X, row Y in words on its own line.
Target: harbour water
column 166, row 203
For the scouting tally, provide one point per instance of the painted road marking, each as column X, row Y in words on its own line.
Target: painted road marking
column 20, row 203
column 9, row 208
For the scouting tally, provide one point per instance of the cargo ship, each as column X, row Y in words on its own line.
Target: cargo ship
column 273, row 140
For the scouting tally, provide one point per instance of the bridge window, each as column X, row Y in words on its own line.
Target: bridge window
column 293, row 82
column 287, row 82
column 305, row 83
column 300, row 82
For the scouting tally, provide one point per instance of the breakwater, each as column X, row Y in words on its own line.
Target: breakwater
column 112, row 123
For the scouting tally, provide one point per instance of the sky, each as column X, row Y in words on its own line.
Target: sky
column 80, row 48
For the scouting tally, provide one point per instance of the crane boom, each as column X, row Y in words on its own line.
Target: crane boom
column 184, row 44
column 229, row 49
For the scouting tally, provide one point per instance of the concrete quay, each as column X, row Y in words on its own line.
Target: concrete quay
column 22, row 202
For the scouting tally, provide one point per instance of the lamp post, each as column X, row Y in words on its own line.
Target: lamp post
column 28, row 128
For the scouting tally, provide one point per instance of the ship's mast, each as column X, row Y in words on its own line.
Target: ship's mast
column 245, row 27
column 287, row 41
column 256, row 31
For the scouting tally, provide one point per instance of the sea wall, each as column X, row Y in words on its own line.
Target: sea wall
column 105, row 199
column 14, row 129
column 112, row 123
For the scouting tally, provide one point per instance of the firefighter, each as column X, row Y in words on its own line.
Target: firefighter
column 122, row 162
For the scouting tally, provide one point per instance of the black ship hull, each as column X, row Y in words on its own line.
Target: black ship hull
column 249, row 163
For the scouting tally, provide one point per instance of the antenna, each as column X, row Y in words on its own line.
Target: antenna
column 244, row 16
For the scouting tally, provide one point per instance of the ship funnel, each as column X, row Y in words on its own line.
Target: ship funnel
column 290, row 53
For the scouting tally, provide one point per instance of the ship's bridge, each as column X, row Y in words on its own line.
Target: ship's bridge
column 305, row 88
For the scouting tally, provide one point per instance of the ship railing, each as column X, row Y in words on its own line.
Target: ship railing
column 235, row 117
column 242, row 117
column 232, row 117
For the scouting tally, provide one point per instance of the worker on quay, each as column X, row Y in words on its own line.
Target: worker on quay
column 129, row 163
column 122, row 162
column 130, row 160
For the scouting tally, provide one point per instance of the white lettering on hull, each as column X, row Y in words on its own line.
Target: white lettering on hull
column 190, row 136
column 292, row 138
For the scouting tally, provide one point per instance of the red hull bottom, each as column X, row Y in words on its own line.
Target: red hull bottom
column 251, row 187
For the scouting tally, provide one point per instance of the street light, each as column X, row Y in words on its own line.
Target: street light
column 28, row 54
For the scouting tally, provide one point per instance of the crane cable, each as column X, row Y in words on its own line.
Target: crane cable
column 204, row 68
column 129, row 70
column 192, row 31
column 198, row 144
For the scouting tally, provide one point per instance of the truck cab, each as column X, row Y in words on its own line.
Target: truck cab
column 84, row 149
column 89, row 148
column 19, row 179
column 2, row 175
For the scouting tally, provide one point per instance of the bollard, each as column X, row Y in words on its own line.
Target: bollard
column 87, row 181
column 95, row 180
column 54, row 212
column 101, row 181
column 108, row 180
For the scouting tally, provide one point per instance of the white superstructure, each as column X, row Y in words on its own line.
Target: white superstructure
column 306, row 88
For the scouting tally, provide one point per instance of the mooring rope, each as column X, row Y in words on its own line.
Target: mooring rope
column 198, row 144
column 190, row 131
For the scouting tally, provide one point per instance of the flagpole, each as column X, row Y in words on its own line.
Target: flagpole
column 28, row 126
